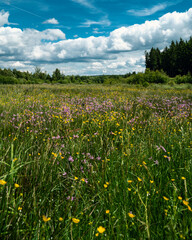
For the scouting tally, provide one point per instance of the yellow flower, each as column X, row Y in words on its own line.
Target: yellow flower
column 129, row 181
column 189, row 208
column 76, row 178
column 45, row 219
column 166, row 198
column 181, row 236
column 107, row 211
column 183, row 178
column 97, row 234
column 105, row 185
column 75, row 220
column 90, row 223
column 180, row 198
column 2, row 182
column 129, row 189
column 101, row 229
column 60, row 219
column 151, row 181
column 19, row 208
column 185, row 203
column 172, row 179
column 17, row 185
column 139, row 179
column 131, row 215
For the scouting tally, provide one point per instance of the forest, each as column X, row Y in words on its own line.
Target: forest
column 173, row 60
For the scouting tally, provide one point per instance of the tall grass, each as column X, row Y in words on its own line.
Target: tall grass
column 95, row 162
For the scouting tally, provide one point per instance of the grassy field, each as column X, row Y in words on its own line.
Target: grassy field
column 95, row 162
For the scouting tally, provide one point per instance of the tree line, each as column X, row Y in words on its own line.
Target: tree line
column 172, row 65
column 173, row 60
column 14, row 76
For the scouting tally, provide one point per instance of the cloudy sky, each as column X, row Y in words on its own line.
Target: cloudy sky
column 88, row 37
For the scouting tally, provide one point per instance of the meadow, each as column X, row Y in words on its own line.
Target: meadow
column 95, row 162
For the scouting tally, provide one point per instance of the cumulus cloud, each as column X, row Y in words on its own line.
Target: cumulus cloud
column 122, row 50
column 51, row 21
column 4, row 18
column 18, row 65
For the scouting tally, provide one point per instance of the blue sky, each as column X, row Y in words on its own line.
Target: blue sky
column 88, row 37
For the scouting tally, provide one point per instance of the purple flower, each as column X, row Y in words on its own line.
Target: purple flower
column 75, row 136
column 156, row 162
column 71, row 159
column 163, row 148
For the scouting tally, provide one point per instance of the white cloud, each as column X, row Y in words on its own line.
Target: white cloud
column 103, row 22
column 122, row 51
column 85, row 3
column 51, row 21
column 148, row 11
column 18, row 65
column 4, row 18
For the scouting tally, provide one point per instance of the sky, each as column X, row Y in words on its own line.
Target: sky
column 88, row 37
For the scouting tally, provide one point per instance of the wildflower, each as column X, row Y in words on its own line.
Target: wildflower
column 172, row 179
column 2, row 182
column 60, row 219
column 105, row 185
column 183, row 178
column 131, row 215
column 129, row 181
column 90, row 223
column 17, row 185
column 182, row 237
column 185, row 203
column 151, row 181
column 166, row 198
column 15, row 159
column 71, row 159
column 180, row 198
column 76, row 178
column 97, row 234
column 156, row 162
column 45, row 219
column 101, row 229
column 189, row 208
column 129, row 189
column 19, row 208
column 75, row 220
column 139, row 179
column 107, row 211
